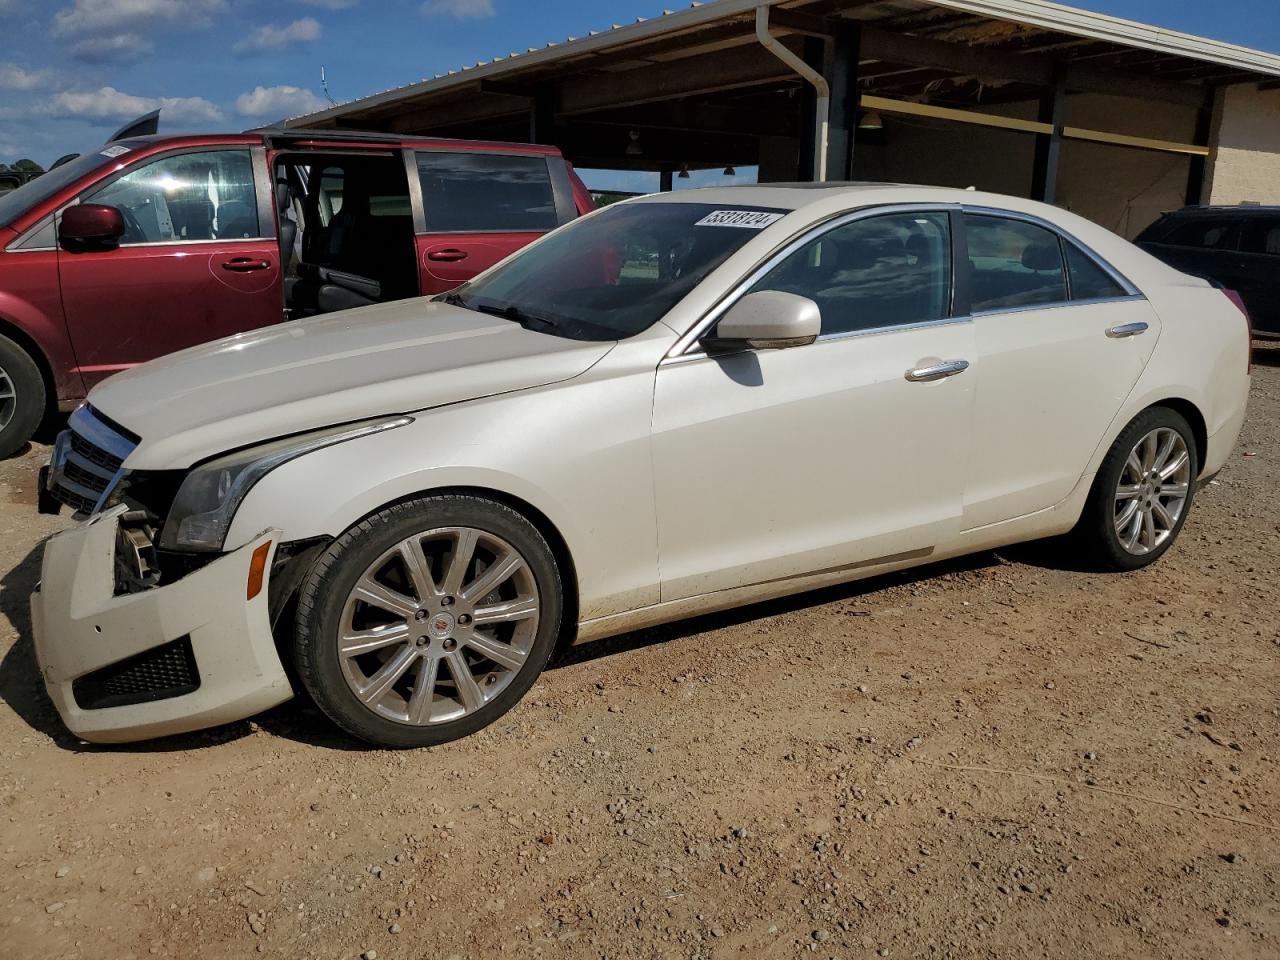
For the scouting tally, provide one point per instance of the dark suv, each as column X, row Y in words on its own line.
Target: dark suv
column 156, row 243
column 1236, row 247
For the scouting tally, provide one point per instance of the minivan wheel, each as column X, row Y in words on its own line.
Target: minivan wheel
column 428, row 621
column 1142, row 494
column 22, row 397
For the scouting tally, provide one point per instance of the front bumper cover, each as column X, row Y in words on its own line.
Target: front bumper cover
column 81, row 627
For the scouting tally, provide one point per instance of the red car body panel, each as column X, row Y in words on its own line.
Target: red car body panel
column 90, row 314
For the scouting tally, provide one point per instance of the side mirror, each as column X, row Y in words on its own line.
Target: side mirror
column 769, row 320
column 90, row 225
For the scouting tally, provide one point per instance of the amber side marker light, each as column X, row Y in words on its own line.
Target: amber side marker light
column 258, row 570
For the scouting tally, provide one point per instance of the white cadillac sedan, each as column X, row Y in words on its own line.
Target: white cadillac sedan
column 678, row 404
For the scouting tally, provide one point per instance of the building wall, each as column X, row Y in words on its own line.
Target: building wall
column 1122, row 189
column 1245, row 164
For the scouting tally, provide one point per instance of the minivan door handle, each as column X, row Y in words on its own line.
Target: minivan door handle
column 939, row 371
column 246, row 265
column 447, row 256
column 1128, row 330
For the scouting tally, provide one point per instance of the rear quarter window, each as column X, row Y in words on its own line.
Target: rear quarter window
column 1261, row 236
column 1205, row 234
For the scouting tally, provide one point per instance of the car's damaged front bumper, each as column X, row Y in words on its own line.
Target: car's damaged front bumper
column 192, row 654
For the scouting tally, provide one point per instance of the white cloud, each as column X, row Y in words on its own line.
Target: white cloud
column 110, row 103
column 14, row 77
column 459, row 9
column 112, row 48
column 104, row 16
column 279, row 102
column 271, row 37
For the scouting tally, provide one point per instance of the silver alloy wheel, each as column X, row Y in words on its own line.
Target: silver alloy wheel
column 8, row 398
column 1152, row 492
column 438, row 625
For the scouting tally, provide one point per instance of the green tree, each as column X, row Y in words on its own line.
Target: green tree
column 28, row 165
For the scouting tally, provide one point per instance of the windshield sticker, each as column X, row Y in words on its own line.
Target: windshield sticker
column 743, row 219
column 116, row 151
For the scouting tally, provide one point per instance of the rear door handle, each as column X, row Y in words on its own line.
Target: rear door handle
column 447, row 256
column 1128, row 330
column 940, row 371
column 246, row 265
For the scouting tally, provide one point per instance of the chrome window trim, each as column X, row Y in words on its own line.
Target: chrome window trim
column 1057, row 305
column 687, row 344
column 1125, row 283
column 194, row 243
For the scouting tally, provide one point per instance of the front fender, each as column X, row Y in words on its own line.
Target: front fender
column 579, row 454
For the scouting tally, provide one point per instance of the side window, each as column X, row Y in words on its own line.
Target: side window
column 1088, row 280
column 1013, row 263
column 189, row 196
column 474, row 192
column 329, row 196
column 1261, row 235
column 879, row 272
column 1205, row 234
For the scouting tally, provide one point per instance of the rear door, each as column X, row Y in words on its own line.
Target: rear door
column 478, row 208
column 1061, row 341
column 1258, row 278
column 198, row 260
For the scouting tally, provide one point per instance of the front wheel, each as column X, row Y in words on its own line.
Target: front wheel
column 22, row 397
column 428, row 621
column 1142, row 494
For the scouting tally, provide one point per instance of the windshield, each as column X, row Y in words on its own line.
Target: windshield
column 617, row 273
column 17, row 202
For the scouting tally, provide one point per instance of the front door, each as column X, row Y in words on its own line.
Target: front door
column 480, row 208
column 844, row 453
column 194, row 264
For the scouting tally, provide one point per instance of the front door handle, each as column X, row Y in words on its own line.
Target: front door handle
column 447, row 256
column 1128, row 330
column 246, row 265
column 939, row 371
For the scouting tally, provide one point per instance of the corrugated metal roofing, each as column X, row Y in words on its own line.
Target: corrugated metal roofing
column 1037, row 13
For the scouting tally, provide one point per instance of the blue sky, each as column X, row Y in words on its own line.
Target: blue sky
column 71, row 71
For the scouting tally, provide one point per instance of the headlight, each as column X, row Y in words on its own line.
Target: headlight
column 211, row 493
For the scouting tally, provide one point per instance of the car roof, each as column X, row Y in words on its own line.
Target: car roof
column 296, row 136
column 795, row 196
column 1233, row 210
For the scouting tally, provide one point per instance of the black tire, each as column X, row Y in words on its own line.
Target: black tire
column 323, row 596
column 27, row 408
column 1096, row 537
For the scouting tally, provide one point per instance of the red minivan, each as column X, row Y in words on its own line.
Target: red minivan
column 157, row 243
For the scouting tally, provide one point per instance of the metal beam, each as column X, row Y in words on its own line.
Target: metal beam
column 724, row 70
column 1044, row 175
column 1199, row 164
column 846, row 54
column 1027, row 68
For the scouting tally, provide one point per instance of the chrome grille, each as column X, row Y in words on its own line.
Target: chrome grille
column 88, row 462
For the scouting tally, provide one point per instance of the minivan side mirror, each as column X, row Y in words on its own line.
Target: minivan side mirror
column 768, row 320
column 90, row 225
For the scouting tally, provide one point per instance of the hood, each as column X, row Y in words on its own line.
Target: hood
column 307, row 374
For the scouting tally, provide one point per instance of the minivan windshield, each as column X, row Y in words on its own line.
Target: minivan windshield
column 616, row 273
column 17, row 202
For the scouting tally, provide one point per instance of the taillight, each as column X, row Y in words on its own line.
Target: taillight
column 1248, row 323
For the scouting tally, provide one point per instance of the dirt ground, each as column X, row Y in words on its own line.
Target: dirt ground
column 1002, row 757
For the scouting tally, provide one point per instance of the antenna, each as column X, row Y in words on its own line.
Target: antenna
column 324, row 85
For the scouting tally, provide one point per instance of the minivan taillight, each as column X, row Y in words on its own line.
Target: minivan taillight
column 1248, row 323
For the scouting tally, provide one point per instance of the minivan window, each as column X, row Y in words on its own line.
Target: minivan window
column 485, row 192
column 1206, row 234
column 1261, row 235
column 208, row 195
column 17, row 202
column 877, row 272
column 1013, row 264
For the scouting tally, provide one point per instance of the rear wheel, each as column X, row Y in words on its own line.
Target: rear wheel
column 1142, row 494
column 428, row 621
column 22, row 397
